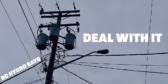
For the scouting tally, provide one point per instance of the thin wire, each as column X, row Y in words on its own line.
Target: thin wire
column 31, row 13
column 34, row 21
column 140, row 54
column 39, row 1
column 33, row 36
column 17, row 35
column 148, row 40
column 122, row 69
column 35, row 81
column 67, row 74
column 56, row 82
column 115, row 64
column 19, row 39
column 119, row 64
column 56, row 0
column 27, row 21
column 76, row 75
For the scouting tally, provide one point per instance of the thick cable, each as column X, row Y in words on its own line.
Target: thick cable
column 120, row 69
column 119, row 64
column 140, row 54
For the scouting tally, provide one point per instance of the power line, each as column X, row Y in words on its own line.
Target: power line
column 67, row 76
column 140, row 54
column 122, row 69
column 35, row 81
column 32, row 17
column 32, row 33
column 31, row 13
column 27, row 21
column 16, row 32
column 76, row 75
column 148, row 40
column 119, row 64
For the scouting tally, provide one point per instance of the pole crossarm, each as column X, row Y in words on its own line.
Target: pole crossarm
column 70, row 24
column 52, row 16
column 52, row 12
column 72, row 61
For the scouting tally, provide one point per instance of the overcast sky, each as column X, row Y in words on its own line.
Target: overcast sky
column 97, row 16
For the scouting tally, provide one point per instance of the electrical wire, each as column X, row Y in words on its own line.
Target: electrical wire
column 39, row 1
column 76, row 75
column 34, row 19
column 119, row 64
column 120, row 69
column 149, row 39
column 115, row 64
column 140, row 54
column 35, row 81
column 75, row 9
column 56, row 82
column 27, row 22
column 108, row 55
column 18, row 37
column 67, row 74
column 32, row 33
column 31, row 13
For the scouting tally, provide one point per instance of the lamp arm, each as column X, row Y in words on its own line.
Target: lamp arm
column 73, row 60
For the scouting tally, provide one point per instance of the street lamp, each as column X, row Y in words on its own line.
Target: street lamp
column 104, row 51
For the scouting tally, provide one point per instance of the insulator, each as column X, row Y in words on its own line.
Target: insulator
column 67, row 29
column 48, row 28
column 54, row 32
column 74, row 6
column 41, row 11
column 45, row 69
column 77, row 23
column 78, row 30
column 69, row 41
column 58, row 7
column 41, row 31
column 42, row 41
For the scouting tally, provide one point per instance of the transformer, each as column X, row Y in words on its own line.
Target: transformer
column 42, row 41
column 69, row 41
column 54, row 32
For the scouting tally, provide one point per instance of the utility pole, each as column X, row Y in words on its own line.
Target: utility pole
column 52, row 57
column 54, row 36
